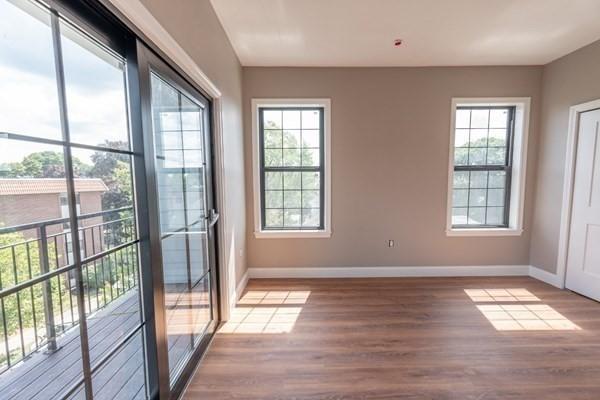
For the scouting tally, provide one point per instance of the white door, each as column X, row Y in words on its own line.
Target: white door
column 583, row 262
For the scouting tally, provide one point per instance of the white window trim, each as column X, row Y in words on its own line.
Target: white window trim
column 517, row 196
column 288, row 234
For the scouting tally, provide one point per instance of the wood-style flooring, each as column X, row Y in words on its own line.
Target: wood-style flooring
column 406, row 338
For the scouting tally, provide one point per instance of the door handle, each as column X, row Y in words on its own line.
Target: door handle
column 213, row 217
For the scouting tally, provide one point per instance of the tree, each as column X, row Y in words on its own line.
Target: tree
column 114, row 170
column 43, row 164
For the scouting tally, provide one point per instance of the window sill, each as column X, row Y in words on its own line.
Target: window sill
column 484, row 232
column 319, row 234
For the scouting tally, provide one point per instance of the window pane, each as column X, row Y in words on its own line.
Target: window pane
column 459, row 216
column 463, row 118
column 478, row 179
column 498, row 118
column 479, row 118
column 95, row 91
column 497, row 179
column 310, row 119
column 496, row 155
column 476, row 216
column 495, row 215
column 461, row 179
column 112, row 298
column 495, row 197
column 311, row 138
column 274, row 218
column 461, row 138
column 273, row 139
column 477, row 197
column 460, row 198
column 478, row 138
column 310, row 157
column 29, row 96
column 291, row 139
column 311, row 180
column 291, row 157
column 272, row 119
column 273, row 157
column 310, row 199
column 273, row 180
column 291, row 218
column 477, row 156
column 183, row 224
column 311, row 217
column 122, row 377
column 461, row 156
column 497, row 138
column 292, row 199
column 292, row 180
column 291, row 119
column 273, row 199
column 40, row 375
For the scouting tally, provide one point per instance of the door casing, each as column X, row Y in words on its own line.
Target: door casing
column 568, row 184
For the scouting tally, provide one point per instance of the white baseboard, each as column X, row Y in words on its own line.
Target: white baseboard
column 390, row 272
column 241, row 286
column 545, row 276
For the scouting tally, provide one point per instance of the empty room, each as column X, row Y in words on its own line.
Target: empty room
column 300, row 199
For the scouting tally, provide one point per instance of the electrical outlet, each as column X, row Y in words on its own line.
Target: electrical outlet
column 390, row 243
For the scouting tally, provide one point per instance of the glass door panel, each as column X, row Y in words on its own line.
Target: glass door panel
column 180, row 137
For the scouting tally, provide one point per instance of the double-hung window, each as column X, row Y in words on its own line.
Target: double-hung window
column 291, row 168
column 487, row 166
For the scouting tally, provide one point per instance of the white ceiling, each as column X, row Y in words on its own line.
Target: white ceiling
column 435, row 32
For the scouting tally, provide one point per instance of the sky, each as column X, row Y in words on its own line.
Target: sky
column 95, row 88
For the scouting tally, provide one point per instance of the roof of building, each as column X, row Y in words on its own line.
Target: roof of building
column 20, row 186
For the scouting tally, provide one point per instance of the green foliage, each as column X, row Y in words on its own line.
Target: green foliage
column 25, row 266
column 114, row 170
column 43, row 164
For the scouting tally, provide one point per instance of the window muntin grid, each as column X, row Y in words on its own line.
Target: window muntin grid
column 482, row 166
column 291, row 168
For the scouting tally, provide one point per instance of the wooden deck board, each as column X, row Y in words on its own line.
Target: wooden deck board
column 415, row 338
column 46, row 376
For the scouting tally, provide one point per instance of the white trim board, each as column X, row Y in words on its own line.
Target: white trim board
column 259, row 233
column 569, row 181
column 241, row 286
column 143, row 19
column 545, row 276
column 390, row 272
column 519, row 165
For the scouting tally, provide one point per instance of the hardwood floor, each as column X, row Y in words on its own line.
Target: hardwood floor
column 413, row 338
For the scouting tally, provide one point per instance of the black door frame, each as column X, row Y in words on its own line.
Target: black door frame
column 148, row 63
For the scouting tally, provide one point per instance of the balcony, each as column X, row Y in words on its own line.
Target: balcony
column 40, row 342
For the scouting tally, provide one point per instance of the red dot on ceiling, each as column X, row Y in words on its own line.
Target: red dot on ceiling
column 398, row 42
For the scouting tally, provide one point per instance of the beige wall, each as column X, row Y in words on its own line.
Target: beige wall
column 390, row 142
column 570, row 80
column 195, row 26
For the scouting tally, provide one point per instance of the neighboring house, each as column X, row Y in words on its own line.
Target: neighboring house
column 28, row 200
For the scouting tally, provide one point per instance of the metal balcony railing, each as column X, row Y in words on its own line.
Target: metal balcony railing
column 38, row 291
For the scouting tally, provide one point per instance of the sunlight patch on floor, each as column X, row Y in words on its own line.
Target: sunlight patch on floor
column 275, row 297
column 262, row 320
column 266, row 311
column 526, row 317
column 500, row 295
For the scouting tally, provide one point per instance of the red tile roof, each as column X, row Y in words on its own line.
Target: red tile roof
column 18, row 186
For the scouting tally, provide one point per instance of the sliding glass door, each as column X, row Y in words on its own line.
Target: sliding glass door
column 180, row 157
column 108, row 278
column 71, row 318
